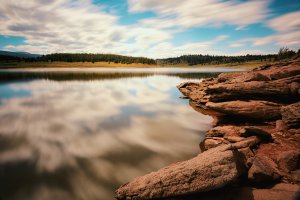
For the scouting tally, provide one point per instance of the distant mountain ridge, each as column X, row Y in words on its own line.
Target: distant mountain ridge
column 19, row 54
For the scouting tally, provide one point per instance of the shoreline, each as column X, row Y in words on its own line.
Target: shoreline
column 29, row 65
column 253, row 149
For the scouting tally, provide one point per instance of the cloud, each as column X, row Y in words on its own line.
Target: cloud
column 236, row 44
column 281, row 39
column 287, row 22
column 287, row 29
column 167, row 49
column 190, row 13
column 252, row 52
column 50, row 26
column 72, row 26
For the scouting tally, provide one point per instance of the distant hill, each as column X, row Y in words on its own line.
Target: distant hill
column 18, row 54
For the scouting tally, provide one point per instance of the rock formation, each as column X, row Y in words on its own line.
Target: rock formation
column 255, row 141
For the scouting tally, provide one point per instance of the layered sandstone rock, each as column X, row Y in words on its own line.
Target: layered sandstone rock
column 258, row 115
column 210, row 170
column 263, row 110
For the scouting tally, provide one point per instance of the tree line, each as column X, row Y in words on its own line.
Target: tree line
column 284, row 53
column 89, row 57
column 82, row 57
column 209, row 59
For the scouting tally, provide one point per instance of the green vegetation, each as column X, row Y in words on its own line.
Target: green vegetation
column 215, row 60
column 286, row 53
column 112, row 60
column 81, row 57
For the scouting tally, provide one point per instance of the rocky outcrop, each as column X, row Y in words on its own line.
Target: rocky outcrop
column 255, row 140
column 210, row 170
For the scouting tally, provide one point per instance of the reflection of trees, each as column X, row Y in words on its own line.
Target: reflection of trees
column 62, row 76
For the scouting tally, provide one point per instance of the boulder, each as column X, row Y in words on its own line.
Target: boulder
column 289, row 160
column 260, row 110
column 263, row 169
column 291, row 115
column 210, row 170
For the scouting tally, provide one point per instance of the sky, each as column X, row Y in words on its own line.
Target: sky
column 150, row 28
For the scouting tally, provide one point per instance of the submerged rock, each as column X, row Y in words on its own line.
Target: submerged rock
column 210, row 170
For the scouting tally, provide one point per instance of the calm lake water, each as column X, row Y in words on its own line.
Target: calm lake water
column 81, row 133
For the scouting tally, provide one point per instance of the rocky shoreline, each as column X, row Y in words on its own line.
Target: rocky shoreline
column 253, row 150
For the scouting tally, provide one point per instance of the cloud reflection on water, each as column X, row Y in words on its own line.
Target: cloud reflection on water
column 82, row 139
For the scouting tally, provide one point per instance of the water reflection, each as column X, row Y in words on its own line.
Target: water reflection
column 83, row 139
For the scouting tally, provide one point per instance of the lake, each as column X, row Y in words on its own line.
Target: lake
column 81, row 133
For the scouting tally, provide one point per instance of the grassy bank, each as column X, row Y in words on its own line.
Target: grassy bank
column 247, row 65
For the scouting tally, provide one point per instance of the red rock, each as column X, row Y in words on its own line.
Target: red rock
column 185, row 84
column 281, row 191
column 222, row 131
column 247, row 154
column 233, row 138
column 210, row 170
column 291, row 115
column 246, row 142
column 262, row 110
column 254, row 131
column 289, row 160
column 253, row 90
column 213, row 142
column 263, row 169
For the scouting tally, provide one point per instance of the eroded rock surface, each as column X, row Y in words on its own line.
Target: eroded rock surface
column 263, row 110
column 210, row 170
column 256, row 136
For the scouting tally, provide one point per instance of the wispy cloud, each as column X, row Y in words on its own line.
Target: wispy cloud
column 50, row 26
column 236, row 44
column 72, row 26
column 288, row 31
column 190, row 13
column 287, row 22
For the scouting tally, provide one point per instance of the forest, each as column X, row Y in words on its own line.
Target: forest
column 283, row 53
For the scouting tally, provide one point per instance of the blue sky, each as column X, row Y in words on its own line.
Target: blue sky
column 152, row 28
